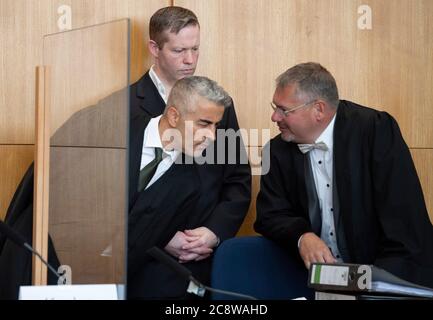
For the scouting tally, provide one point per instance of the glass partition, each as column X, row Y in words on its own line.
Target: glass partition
column 87, row 95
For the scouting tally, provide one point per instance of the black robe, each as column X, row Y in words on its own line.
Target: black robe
column 15, row 261
column 155, row 214
column 382, row 208
column 225, row 188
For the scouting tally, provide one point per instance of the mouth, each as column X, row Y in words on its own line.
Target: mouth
column 187, row 71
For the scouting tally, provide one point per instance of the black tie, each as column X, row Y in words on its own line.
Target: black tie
column 149, row 170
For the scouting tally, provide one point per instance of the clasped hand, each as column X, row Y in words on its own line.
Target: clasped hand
column 192, row 245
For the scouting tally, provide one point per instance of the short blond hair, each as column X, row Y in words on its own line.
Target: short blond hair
column 171, row 19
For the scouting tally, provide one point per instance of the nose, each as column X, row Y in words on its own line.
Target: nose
column 188, row 57
column 276, row 116
column 211, row 133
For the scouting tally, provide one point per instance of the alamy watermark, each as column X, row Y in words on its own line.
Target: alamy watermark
column 223, row 147
column 365, row 20
column 65, row 20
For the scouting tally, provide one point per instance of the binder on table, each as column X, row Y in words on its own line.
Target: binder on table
column 363, row 280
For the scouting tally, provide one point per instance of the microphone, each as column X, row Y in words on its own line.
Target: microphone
column 21, row 241
column 194, row 286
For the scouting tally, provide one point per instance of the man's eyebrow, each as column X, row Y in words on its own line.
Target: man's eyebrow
column 280, row 106
column 205, row 121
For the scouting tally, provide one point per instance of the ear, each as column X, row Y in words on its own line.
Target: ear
column 153, row 48
column 320, row 108
column 173, row 116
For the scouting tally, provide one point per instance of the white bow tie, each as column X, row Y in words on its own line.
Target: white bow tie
column 308, row 147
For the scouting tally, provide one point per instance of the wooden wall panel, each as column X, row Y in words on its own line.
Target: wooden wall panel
column 255, row 158
column 21, row 41
column 23, row 23
column 247, row 228
column 85, row 13
column 85, row 66
column 247, row 44
column 14, row 162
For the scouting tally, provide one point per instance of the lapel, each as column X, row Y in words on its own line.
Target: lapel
column 137, row 126
column 342, row 174
column 148, row 98
column 299, row 160
column 341, row 148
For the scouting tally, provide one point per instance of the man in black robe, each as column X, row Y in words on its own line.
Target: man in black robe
column 342, row 186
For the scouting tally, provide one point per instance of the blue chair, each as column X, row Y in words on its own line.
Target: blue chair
column 260, row 268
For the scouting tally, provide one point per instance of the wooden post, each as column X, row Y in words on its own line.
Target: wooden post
column 41, row 176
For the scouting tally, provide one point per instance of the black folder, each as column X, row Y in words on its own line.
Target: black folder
column 363, row 280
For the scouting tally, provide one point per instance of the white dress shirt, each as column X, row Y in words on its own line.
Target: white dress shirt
column 322, row 167
column 151, row 141
column 158, row 84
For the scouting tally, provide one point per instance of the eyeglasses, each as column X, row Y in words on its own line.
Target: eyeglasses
column 286, row 112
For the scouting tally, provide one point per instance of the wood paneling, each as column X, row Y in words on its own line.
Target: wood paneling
column 247, row 44
column 14, row 162
column 247, row 228
column 255, row 157
column 21, row 41
column 86, row 65
column 423, row 159
column 23, row 23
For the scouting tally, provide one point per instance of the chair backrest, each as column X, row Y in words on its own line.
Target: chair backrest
column 258, row 267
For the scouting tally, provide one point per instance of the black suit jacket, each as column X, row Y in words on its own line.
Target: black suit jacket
column 155, row 214
column 382, row 208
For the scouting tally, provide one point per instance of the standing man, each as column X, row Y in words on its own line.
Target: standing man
column 342, row 186
column 226, row 188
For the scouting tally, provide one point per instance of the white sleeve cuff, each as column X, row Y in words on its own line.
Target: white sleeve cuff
column 299, row 240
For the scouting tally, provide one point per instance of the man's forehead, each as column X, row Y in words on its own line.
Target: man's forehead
column 287, row 92
column 184, row 33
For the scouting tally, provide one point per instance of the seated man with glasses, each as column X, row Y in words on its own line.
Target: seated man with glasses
column 342, row 186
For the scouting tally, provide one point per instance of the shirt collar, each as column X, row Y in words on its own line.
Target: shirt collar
column 327, row 135
column 152, row 138
column 158, row 84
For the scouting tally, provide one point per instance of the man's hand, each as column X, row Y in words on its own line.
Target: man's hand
column 313, row 249
column 176, row 244
column 174, row 247
column 200, row 241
